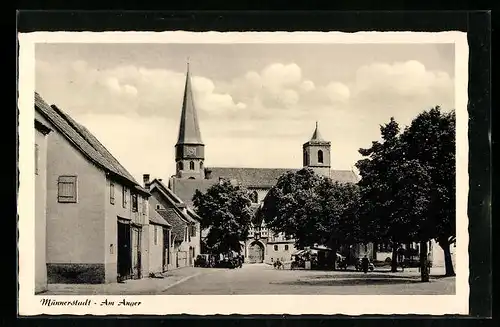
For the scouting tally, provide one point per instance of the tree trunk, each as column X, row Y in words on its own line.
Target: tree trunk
column 424, row 267
column 448, row 263
column 394, row 261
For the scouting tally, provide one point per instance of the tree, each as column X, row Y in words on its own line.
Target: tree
column 408, row 184
column 430, row 139
column 225, row 212
column 312, row 209
column 378, row 219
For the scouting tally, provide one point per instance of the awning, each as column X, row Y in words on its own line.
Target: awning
column 299, row 252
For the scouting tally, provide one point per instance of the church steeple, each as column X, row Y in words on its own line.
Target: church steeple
column 189, row 130
column 317, row 153
column 316, row 135
column 189, row 149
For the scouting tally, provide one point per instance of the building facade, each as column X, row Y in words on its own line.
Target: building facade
column 192, row 174
column 185, row 237
column 97, row 215
column 42, row 132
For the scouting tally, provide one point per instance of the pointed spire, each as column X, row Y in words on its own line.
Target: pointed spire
column 316, row 135
column 189, row 130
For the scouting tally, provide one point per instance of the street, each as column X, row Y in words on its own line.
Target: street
column 264, row 279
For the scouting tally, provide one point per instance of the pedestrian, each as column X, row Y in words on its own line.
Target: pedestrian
column 364, row 264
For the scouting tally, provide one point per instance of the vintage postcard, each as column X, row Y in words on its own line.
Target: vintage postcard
column 243, row 173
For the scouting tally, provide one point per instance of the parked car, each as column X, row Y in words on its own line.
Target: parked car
column 202, row 260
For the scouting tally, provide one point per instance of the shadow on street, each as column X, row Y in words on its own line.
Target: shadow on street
column 351, row 282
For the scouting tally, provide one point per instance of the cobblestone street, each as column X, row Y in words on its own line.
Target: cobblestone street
column 263, row 279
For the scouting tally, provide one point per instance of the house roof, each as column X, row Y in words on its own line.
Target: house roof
column 85, row 142
column 157, row 218
column 177, row 223
column 183, row 210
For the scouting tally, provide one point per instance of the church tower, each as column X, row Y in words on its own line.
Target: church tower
column 189, row 149
column 316, row 154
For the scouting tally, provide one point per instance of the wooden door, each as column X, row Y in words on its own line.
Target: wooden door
column 136, row 252
column 124, row 264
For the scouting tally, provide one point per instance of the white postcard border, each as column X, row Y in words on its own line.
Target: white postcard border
column 30, row 304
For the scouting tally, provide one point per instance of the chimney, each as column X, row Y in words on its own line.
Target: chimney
column 145, row 179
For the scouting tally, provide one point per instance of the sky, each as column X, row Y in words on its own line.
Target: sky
column 257, row 103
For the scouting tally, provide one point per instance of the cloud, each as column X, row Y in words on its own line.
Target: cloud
column 126, row 89
column 408, row 79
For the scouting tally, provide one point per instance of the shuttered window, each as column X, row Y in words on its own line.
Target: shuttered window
column 111, row 192
column 134, row 202
column 67, row 189
column 124, row 196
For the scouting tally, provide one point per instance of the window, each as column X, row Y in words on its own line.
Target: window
column 156, row 235
column 275, row 248
column 201, row 165
column 144, row 206
column 306, row 159
column 180, row 165
column 124, row 196
column 36, row 158
column 67, row 189
column 134, row 202
column 191, row 165
column 186, row 234
column 254, row 197
column 286, row 247
column 158, row 206
column 320, row 156
column 193, row 231
column 111, row 192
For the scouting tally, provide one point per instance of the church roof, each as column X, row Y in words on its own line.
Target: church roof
column 268, row 177
column 248, row 177
column 189, row 129
column 85, row 141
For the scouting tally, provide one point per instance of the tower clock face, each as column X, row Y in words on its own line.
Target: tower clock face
column 191, row 151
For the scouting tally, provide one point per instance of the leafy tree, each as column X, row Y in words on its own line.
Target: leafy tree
column 430, row 139
column 225, row 212
column 312, row 209
column 378, row 213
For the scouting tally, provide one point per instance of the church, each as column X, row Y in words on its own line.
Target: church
column 192, row 174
